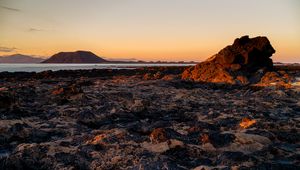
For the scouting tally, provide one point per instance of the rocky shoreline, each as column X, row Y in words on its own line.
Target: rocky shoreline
column 147, row 118
column 235, row 110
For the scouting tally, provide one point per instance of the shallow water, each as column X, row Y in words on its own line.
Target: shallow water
column 56, row 67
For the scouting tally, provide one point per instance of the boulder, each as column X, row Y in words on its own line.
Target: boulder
column 243, row 62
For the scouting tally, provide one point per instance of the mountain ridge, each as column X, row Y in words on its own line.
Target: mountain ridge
column 20, row 58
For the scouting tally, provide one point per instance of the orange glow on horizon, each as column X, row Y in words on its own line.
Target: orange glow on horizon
column 177, row 52
column 147, row 30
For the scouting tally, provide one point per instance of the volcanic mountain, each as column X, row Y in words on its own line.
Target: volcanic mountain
column 19, row 58
column 75, row 57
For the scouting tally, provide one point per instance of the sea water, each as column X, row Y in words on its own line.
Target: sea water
column 56, row 67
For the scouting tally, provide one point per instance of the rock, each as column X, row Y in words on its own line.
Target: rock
column 204, row 138
column 276, row 78
column 247, row 143
column 246, row 122
column 6, row 100
column 138, row 106
column 282, row 165
column 98, row 139
column 67, row 91
column 148, row 76
column 220, row 140
column 158, row 135
column 158, row 75
column 157, row 165
column 235, row 64
column 203, row 167
column 170, row 77
column 155, row 76
column 231, row 158
column 162, row 146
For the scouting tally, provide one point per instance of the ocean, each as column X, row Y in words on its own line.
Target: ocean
column 56, row 67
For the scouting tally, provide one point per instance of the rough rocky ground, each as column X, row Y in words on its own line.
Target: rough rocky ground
column 126, row 121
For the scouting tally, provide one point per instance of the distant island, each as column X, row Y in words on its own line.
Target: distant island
column 89, row 57
column 20, row 58
column 78, row 57
column 75, row 57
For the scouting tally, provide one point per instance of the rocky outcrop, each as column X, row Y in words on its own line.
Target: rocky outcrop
column 75, row 57
column 243, row 62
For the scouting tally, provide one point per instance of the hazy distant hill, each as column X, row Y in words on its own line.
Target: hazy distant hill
column 75, row 57
column 19, row 58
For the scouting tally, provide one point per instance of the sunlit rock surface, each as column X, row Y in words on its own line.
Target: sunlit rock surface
column 243, row 62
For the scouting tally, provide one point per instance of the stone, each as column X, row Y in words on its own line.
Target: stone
column 246, row 122
column 221, row 140
column 137, row 106
column 158, row 135
column 162, row 146
column 276, row 78
column 67, row 91
column 235, row 64
column 6, row 100
column 247, row 143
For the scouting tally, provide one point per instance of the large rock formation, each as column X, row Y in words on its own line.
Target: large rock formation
column 243, row 62
column 75, row 57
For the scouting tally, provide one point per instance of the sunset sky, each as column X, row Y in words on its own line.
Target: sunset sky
column 169, row 30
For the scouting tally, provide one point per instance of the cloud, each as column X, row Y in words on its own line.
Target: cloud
column 10, row 9
column 7, row 49
column 34, row 30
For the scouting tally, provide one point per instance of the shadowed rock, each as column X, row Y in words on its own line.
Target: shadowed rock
column 243, row 62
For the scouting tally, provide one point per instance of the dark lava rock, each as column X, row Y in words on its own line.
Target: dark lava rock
column 288, row 136
column 157, row 165
column 163, row 134
column 231, row 158
column 243, row 62
column 156, row 76
column 67, row 90
column 274, row 166
column 33, row 158
column 184, row 159
column 6, row 100
column 220, row 140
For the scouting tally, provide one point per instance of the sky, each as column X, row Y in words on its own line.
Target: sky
column 150, row 30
